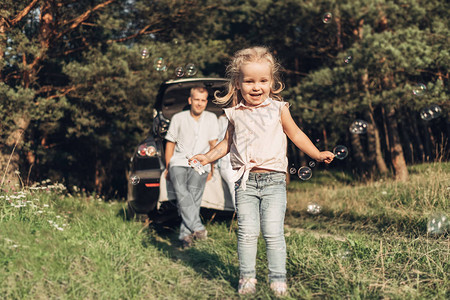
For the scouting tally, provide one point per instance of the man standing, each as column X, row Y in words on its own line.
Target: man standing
column 190, row 132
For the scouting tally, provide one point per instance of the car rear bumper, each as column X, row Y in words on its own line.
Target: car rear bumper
column 143, row 194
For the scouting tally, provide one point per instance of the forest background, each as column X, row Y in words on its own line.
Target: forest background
column 76, row 95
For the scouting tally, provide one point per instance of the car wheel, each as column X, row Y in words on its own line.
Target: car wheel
column 133, row 215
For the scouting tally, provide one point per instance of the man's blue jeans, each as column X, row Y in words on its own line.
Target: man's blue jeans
column 189, row 187
column 262, row 206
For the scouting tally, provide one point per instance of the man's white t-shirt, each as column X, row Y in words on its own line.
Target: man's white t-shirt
column 191, row 136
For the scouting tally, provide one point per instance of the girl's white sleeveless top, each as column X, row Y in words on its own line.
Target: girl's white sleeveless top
column 258, row 140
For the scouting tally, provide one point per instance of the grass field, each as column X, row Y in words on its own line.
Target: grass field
column 370, row 241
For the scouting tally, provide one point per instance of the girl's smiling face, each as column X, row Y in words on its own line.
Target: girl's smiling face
column 255, row 82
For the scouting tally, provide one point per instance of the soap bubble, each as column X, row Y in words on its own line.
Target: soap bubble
column 179, row 72
column 436, row 109
column 159, row 64
column 340, row 152
column 431, row 112
column 292, row 170
column 345, row 254
column 426, row 114
column 134, row 180
column 312, row 163
column 359, row 127
column 327, row 17
column 191, row 70
column 144, row 53
column 419, row 89
column 304, row 173
column 314, row 209
column 438, row 223
column 348, row 59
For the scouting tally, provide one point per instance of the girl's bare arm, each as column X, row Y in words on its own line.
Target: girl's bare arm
column 219, row 151
column 301, row 140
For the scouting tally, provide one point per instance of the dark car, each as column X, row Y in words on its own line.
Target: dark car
column 149, row 194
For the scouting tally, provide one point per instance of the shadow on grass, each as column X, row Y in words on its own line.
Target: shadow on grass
column 203, row 259
column 374, row 224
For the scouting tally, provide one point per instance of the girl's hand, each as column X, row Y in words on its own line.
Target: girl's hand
column 202, row 158
column 326, row 156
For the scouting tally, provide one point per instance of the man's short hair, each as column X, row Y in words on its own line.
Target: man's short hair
column 199, row 89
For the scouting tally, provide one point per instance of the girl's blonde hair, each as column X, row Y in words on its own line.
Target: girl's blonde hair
column 253, row 54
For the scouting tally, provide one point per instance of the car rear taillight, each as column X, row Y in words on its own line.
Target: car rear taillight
column 146, row 150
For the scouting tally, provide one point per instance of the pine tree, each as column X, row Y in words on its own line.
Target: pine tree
column 76, row 94
column 75, row 102
column 393, row 47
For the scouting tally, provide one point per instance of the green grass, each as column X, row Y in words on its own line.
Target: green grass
column 369, row 242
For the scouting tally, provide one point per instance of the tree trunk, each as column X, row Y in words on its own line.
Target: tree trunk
column 371, row 143
column 416, row 134
column 337, row 20
column 373, row 135
column 9, row 155
column 325, row 138
column 409, row 151
column 447, row 125
column 429, row 134
column 396, row 150
column 381, row 164
column 385, row 127
column 358, row 153
column 427, row 144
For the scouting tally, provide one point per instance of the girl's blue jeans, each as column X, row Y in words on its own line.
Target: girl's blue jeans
column 262, row 206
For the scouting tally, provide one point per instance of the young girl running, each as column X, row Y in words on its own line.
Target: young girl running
column 256, row 138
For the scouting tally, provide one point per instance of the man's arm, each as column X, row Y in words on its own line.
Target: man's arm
column 170, row 147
